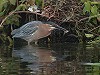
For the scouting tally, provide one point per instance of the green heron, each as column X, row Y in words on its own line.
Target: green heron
column 32, row 31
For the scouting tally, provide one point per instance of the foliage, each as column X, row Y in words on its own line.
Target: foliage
column 95, row 41
column 13, row 20
column 8, row 16
column 92, row 10
column 89, row 35
column 60, row 10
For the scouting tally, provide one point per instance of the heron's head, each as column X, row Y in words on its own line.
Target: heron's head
column 50, row 27
column 53, row 26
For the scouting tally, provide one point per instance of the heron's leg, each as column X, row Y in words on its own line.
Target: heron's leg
column 36, row 42
column 28, row 42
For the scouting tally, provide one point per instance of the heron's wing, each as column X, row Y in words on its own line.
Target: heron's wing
column 27, row 29
column 26, row 32
column 30, row 25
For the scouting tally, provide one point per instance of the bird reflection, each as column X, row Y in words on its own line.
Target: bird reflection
column 38, row 57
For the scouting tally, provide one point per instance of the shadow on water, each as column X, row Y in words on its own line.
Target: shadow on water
column 55, row 59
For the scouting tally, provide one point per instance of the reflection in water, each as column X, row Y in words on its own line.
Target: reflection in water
column 57, row 59
column 37, row 57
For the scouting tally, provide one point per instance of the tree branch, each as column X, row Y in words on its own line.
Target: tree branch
column 89, row 17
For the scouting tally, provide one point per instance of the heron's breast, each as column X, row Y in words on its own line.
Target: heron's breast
column 40, row 34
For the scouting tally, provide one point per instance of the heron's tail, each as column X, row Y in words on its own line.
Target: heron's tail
column 14, row 31
column 17, row 36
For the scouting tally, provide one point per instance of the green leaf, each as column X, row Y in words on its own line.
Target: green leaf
column 98, row 38
column 1, row 7
column 13, row 2
column 87, row 7
column 94, row 10
column 38, row 2
column 1, row 28
column 21, row 7
column 89, row 48
column 94, row 20
column 22, row 1
column 89, row 35
column 98, row 17
column 99, row 30
column 92, row 64
column 1, row 13
column 83, row 1
column 13, row 20
column 2, row 2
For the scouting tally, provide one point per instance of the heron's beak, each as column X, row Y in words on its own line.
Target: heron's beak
column 52, row 28
column 55, row 26
column 61, row 28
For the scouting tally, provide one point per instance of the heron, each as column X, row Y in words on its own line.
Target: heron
column 35, row 30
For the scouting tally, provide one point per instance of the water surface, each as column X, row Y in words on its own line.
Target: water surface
column 55, row 59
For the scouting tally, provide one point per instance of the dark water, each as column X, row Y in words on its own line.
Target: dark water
column 57, row 59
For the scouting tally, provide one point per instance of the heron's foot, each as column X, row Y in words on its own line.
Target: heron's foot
column 36, row 42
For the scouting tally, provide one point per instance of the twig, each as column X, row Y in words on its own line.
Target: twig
column 16, row 12
column 29, row 12
column 13, row 12
column 88, row 17
column 94, row 28
column 6, row 18
column 95, row 34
